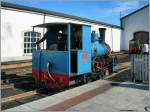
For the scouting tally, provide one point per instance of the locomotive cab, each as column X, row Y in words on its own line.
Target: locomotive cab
column 67, row 54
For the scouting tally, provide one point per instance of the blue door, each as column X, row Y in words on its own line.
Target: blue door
column 84, row 55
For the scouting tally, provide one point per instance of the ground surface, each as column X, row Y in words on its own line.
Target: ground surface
column 125, row 97
column 98, row 96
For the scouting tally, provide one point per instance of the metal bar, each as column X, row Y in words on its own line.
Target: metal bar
column 14, row 66
column 69, row 47
column 5, row 86
column 118, row 73
column 18, row 96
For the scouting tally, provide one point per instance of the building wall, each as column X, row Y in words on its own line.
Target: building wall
column 13, row 26
column 14, row 23
column 137, row 22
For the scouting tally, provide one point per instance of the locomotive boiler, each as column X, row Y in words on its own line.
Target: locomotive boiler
column 101, row 53
column 78, row 56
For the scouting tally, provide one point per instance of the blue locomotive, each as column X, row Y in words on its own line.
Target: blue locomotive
column 72, row 53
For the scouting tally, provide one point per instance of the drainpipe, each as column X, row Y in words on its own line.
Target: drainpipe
column 112, row 40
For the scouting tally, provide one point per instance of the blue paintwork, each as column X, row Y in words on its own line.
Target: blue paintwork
column 86, row 35
column 69, row 46
column 61, row 60
column 58, row 59
column 98, row 49
column 84, row 68
column 94, row 37
column 86, row 49
column 36, row 57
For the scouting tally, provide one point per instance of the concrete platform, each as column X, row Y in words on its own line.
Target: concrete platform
column 98, row 96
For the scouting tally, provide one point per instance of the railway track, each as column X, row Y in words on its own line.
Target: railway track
column 15, row 65
column 18, row 96
column 14, row 101
column 25, row 97
column 15, row 79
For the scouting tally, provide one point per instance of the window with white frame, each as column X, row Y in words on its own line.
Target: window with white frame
column 30, row 38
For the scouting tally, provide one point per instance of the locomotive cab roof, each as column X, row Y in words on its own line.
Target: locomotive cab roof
column 47, row 25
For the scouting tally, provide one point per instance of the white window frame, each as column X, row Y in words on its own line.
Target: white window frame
column 28, row 41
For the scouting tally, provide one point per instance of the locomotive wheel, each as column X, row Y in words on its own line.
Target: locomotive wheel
column 101, row 75
column 85, row 79
column 42, row 86
column 82, row 80
column 98, row 77
column 89, row 79
column 78, row 81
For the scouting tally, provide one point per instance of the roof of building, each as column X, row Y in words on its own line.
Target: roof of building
column 21, row 7
column 135, row 11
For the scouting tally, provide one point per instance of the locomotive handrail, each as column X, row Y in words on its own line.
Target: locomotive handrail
column 48, row 71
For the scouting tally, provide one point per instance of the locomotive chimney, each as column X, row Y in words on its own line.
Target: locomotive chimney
column 102, row 34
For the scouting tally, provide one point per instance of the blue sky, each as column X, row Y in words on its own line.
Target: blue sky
column 101, row 10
